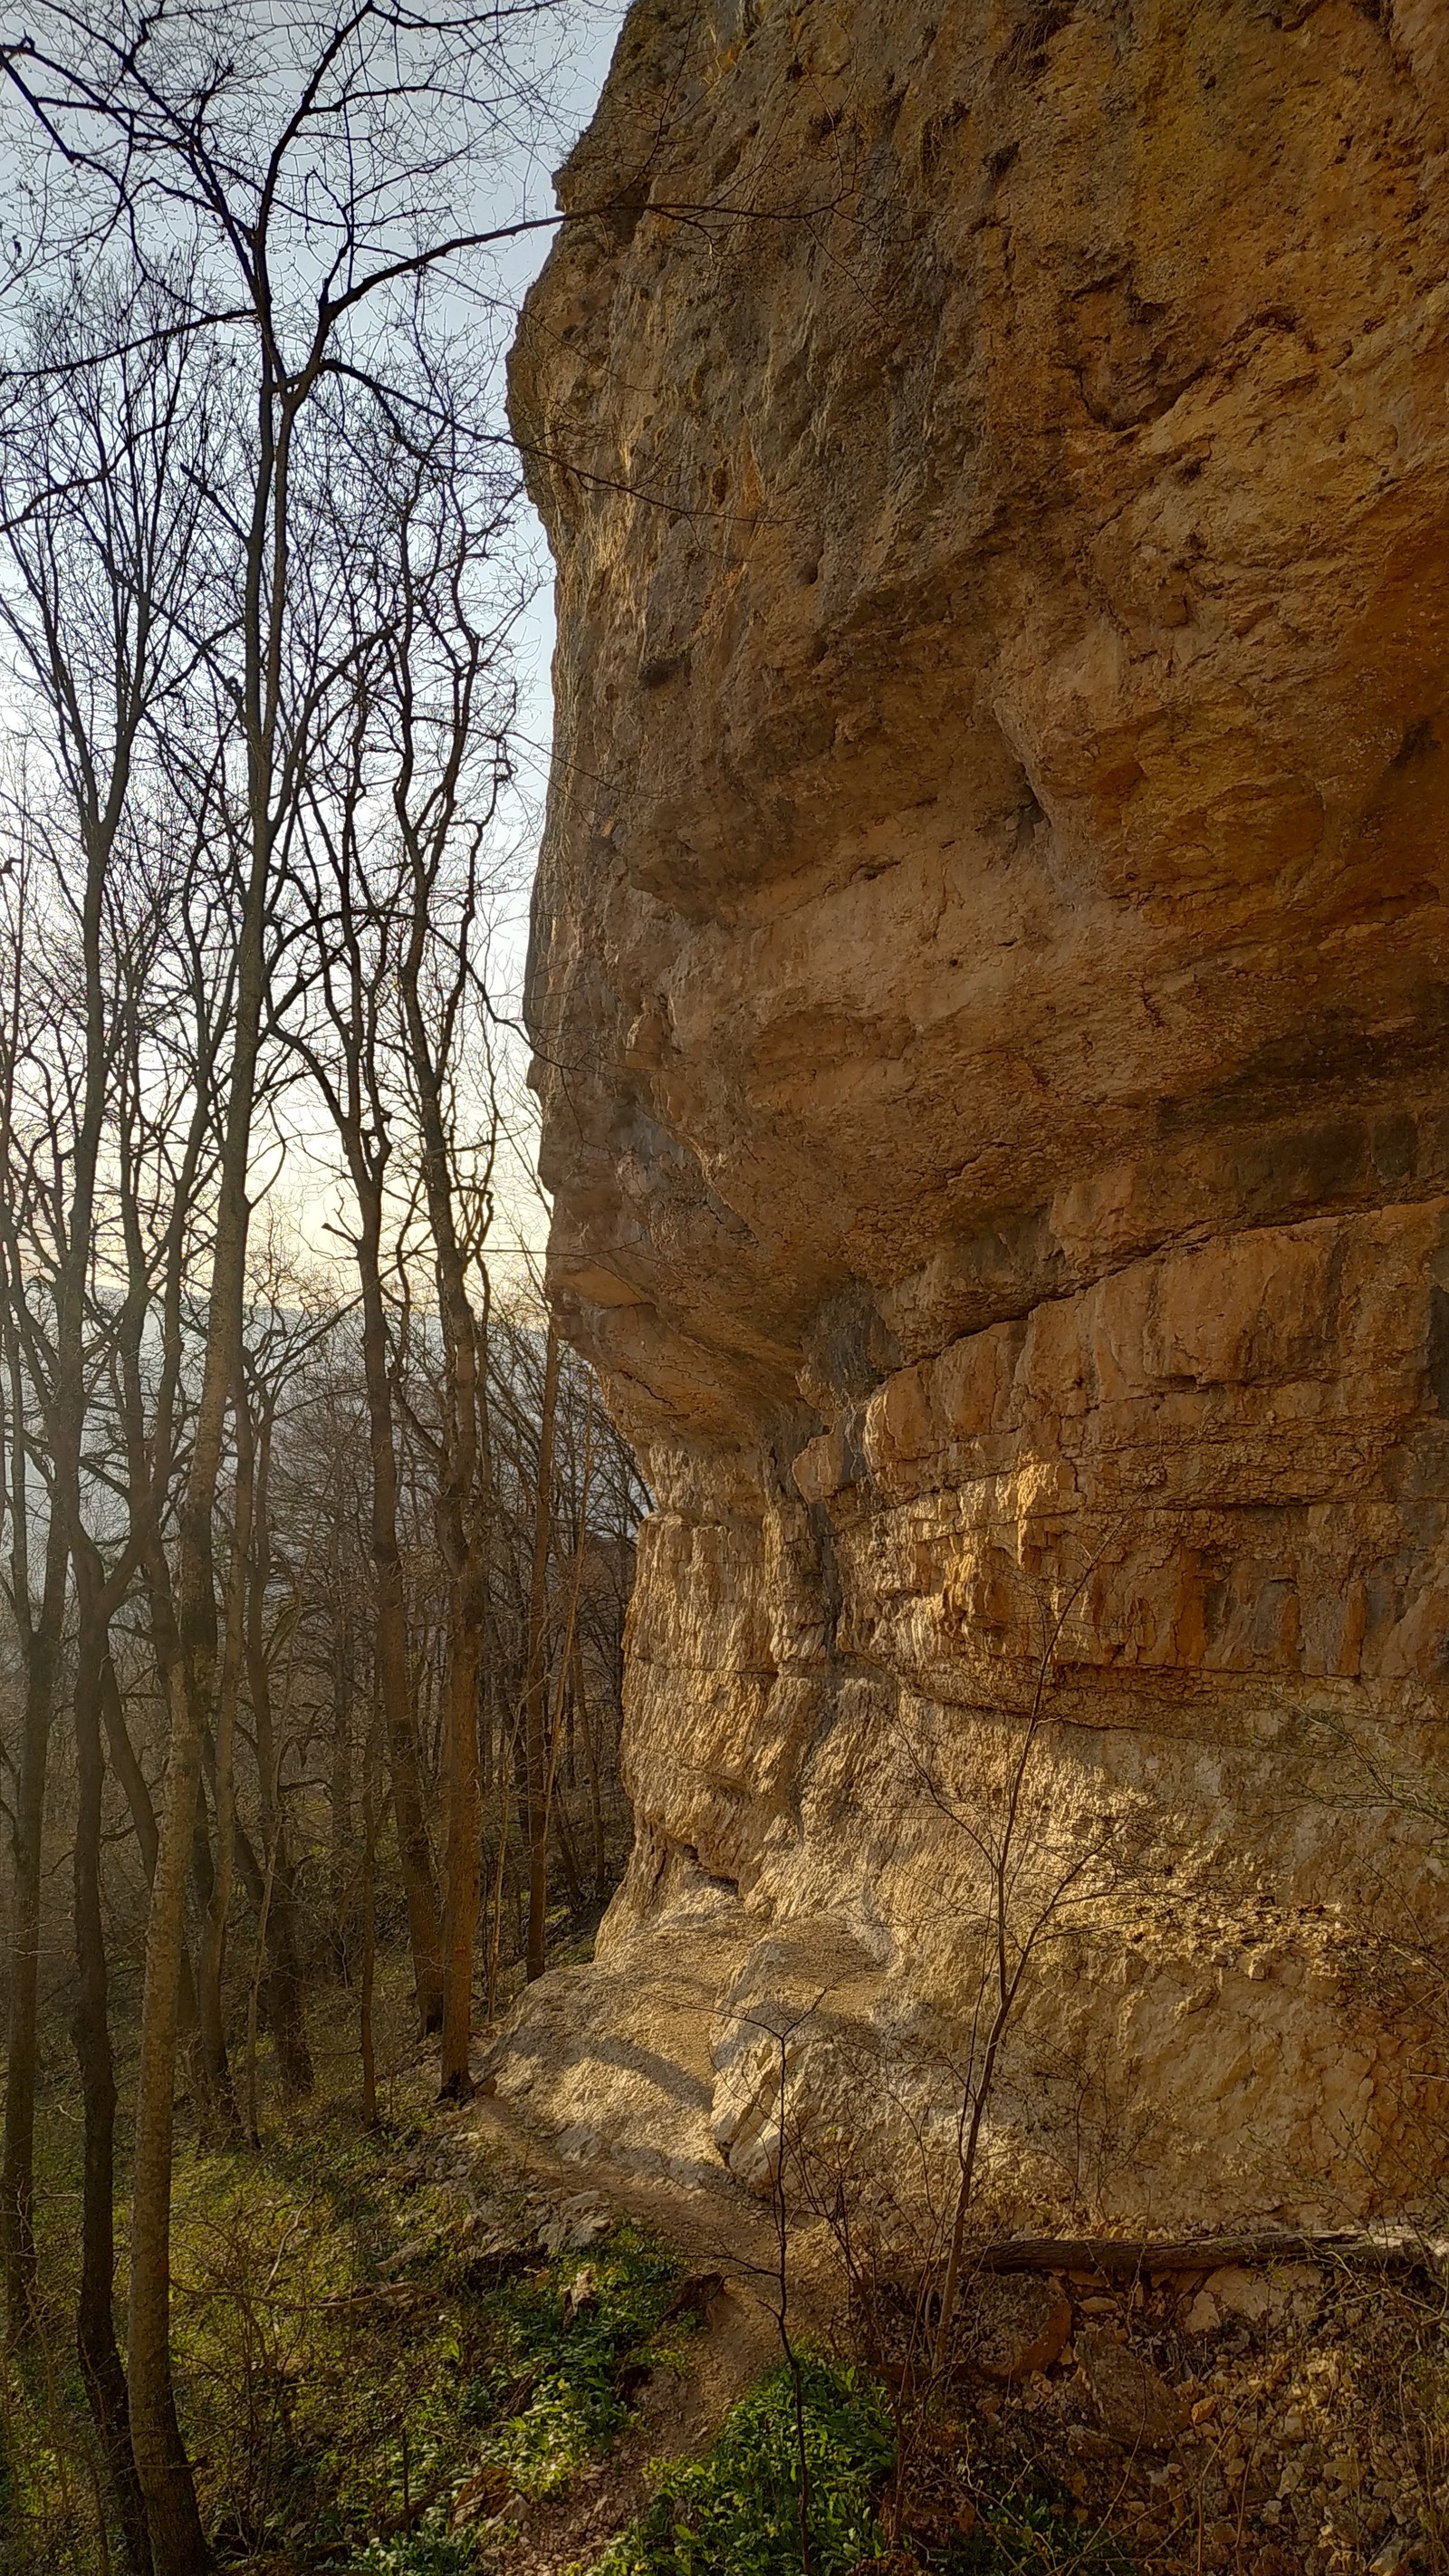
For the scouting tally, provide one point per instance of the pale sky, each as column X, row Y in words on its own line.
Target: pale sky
column 307, row 1197
column 522, row 1216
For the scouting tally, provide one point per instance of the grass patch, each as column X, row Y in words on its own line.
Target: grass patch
column 318, row 2395
column 736, row 2512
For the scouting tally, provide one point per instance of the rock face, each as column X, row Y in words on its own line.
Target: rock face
column 988, row 986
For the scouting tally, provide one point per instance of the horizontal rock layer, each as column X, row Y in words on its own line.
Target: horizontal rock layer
column 988, row 985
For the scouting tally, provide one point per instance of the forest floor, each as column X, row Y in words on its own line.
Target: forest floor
column 1274, row 2421
column 433, row 2349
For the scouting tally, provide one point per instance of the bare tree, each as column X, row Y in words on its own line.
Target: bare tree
column 535, row 1738
column 233, row 654
column 315, row 223
column 96, row 588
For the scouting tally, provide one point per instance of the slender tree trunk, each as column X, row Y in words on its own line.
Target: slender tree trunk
column 490, row 1738
column 340, row 1783
column 96, row 2345
column 143, row 1818
column 567, row 1854
column 264, row 1915
column 591, row 1757
column 283, row 1977
column 178, row 2543
column 369, row 1936
column 187, row 1659
column 424, row 1931
column 509, row 1758
column 464, row 1500
column 213, row 1944
column 17, row 2169
column 285, row 1986
column 168, row 1996
column 554, row 1810
column 185, row 1647
column 128, row 1770
column 279, row 1982
column 535, row 1724
column 205, row 2051
column 465, row 1826
column 285, row 2016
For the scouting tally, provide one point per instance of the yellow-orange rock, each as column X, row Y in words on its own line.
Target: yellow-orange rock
column 989, row 994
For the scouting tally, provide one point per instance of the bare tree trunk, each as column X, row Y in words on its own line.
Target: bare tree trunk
column 591, row 1756
column 132, row 1778
column 427, row 804
column 284, row 1980
column 554, row 1807
column 205, row 2053
column 42, row 1664
column 370, row 1823
column 259, row 1955
column 128, row 1770
column 535, row 1723
column 462, row 1510
column 186, row 1656
column 96, row 2345
column 567, row 1854
column 177, row 2540
column 464, row 1832
column 508, row 1759
column 213, row 1943
column 424, row 1931
column 340, row 1787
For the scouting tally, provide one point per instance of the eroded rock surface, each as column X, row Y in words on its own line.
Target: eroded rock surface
column 988, row 988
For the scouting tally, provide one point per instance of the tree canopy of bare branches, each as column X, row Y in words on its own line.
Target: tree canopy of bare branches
column 315, row 1548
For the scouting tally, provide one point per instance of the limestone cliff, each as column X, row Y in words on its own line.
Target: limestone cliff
column 988, row 987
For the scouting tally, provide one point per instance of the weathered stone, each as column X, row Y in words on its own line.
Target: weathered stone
column 1014, row 2325
column 1399, row 2551
column 989, row 980
column 1264, row 2296
column 1134, row 2404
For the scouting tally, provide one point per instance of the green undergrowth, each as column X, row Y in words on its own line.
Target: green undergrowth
column 566, row 2346
column 736, row 2511
column 430, row 2550
column 357, row 2365
column 350, row 2364
column 346, row 2361
column 1035, row 2535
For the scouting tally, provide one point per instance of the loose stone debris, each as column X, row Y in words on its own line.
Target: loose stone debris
column 1287, row 2422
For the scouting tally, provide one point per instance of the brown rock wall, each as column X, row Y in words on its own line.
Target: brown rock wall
column 989, row 992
